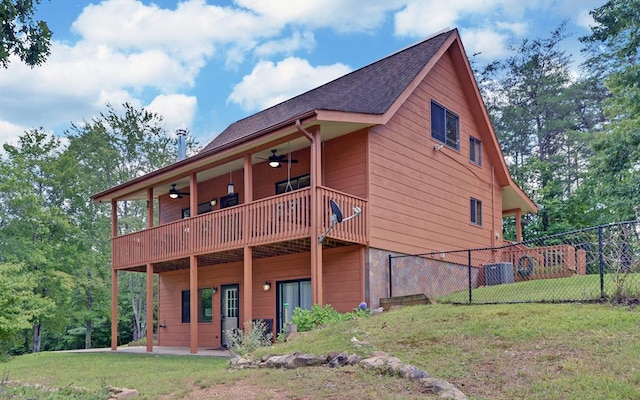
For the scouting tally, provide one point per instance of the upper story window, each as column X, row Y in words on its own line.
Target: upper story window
column 475, row 150
column 445, row 126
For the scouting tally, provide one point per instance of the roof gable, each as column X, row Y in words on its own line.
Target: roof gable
column 369, row 90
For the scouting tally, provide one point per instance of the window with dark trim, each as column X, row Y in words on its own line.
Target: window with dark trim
column 296, row 183
column 445, row 126
column 476, row 211
column 475, row 150
column 205, row 305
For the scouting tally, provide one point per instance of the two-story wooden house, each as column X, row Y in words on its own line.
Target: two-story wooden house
column 407, row 140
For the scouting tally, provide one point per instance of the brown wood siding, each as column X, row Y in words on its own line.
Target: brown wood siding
column 419, row 198
column 265, row 177
column 344, row 164
column 343, row 274
column 343, row 283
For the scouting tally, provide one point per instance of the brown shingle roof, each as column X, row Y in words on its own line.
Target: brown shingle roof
column 369, row 90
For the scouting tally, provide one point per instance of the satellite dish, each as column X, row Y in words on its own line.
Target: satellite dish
column 336, row 211
column 336, row 217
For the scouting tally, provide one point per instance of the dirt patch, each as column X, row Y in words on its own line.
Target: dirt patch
column 238, row 390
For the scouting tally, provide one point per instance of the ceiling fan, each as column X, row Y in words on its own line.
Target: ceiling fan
column 275, row 160
column 175, row 194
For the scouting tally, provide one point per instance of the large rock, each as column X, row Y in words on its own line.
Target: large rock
column 298, row 360
column 340, row 360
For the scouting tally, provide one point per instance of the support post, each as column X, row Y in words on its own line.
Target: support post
column 390, row 276
column 601, row 259
column 114, row 279
column 469, row 265
column 114, row 309
column 518, row 225
column 149, row 308
column 247, row 297
column 193, row 304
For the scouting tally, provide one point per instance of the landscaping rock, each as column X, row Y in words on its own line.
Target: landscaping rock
column 240, row 362
column 122, row 393
column 353, row 359
column 304, row 360
column 340, row 360
column 379, row 353
column 277, row 361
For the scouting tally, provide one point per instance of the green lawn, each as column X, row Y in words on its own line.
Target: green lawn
column 580, row 287
column 514, row 351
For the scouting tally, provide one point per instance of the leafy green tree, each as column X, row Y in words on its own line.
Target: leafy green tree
column 21, row 35
column 20, row 305
column 542, row 116
column 613, row 49
column 34, row 229
column 113, row 148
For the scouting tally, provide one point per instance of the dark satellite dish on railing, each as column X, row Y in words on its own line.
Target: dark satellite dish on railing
column 336, row 217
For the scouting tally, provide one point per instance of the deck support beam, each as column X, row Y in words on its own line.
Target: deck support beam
column 193, row 304
column 149, row 308
column 247, row 297
column 114, row 278
column 317, row 290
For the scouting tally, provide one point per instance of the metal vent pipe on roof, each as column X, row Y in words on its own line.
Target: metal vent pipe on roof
column 182, row 143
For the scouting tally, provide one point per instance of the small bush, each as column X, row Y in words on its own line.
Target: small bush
column 253, row 336
column 310, row 319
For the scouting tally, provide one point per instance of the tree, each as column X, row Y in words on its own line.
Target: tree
column 21, row 35
column 614, row 58
column 542, row 116
column 20, row 305
column 109, row 150
column 34, row 230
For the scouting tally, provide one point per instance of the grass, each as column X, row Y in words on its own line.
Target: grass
column 517, row 351
column 580, row 287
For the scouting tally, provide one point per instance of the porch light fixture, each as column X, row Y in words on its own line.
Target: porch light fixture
column 213, row 202
column 274, row 163
column 230, row 187
column 214, row 290
column 266, row 286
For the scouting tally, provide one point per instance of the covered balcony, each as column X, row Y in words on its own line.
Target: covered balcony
column 278, row 224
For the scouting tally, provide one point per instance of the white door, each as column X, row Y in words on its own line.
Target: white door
column 230, row 308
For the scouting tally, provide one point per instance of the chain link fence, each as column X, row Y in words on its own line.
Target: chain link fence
column 594, row 264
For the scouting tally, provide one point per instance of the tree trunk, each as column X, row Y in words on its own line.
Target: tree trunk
column 37, row 337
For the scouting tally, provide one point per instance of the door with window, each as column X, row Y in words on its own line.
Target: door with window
column 229, row 311
column 289, row 295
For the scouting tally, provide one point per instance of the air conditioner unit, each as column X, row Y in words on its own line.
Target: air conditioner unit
column 498, row 273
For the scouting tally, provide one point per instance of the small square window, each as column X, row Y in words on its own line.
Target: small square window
column 445, row 126
column 476, row 211
column 475, row 150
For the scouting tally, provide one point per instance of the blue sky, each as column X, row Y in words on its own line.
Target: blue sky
column 205, row 64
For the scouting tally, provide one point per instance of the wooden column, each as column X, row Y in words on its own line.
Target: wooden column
column 149, row 308
column 150, row 208
column 247, row 296
column 114, row 309
column 518, row 225
column 193, row 304
column 316, row 219
column 114, row 279
column 193, row 266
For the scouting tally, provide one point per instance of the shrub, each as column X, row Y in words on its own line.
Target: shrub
column 253, row 336
column 307, row 320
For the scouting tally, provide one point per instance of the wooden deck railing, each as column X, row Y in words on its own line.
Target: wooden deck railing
column 545, row 262
column 273, row 219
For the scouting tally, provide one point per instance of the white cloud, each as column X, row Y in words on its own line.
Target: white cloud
column 177, row 110
column 487, row 44
column 517, row 28
column 298, row 41
column 9, row 132
column 341, row 15
column 269, row 84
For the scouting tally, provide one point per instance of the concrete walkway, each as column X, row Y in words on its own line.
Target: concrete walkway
column 157, row 350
